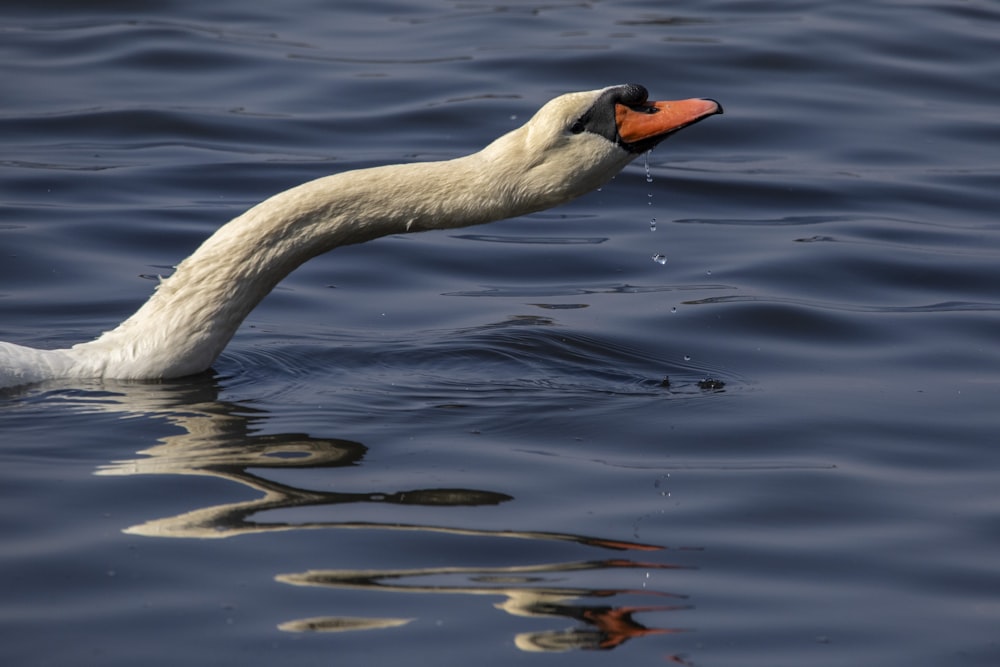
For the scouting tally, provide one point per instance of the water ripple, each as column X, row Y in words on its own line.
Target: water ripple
column 943, row 307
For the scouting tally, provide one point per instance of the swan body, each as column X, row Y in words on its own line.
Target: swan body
column 572, row 145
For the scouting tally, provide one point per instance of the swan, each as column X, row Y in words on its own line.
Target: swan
column 574, row 144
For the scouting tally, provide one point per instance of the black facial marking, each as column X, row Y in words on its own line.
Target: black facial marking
column 632, row 95
column 600, row 117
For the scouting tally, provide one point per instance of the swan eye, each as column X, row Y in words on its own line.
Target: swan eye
column 577, row 127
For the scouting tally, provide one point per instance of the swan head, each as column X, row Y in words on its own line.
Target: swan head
column 578, row 141
column 625, row 116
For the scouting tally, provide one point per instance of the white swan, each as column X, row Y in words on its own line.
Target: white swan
column 574, row 144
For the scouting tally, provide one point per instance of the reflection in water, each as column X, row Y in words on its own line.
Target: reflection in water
column 218, row 439
column 230, row 462
column 528, row 593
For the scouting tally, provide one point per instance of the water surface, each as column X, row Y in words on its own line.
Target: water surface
column 527, row 442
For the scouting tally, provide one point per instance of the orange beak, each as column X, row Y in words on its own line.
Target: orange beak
column 658, row 119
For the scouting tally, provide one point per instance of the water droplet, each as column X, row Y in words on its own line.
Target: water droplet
column 687, row 357
column 652, row 224
column 673, row 309
column 660, row 259
column 649, row 175
column 708, row 273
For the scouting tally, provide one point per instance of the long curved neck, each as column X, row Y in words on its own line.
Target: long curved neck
column 194, row 313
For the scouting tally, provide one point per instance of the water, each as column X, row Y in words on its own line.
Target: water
column 525, row 442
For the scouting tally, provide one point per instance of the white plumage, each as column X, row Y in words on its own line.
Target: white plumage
column 574, row 144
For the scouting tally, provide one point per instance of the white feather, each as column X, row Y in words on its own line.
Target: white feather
column 194, row 313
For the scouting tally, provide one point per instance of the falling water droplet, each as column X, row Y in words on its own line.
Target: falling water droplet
column 649, row 174
column 687, row 357
column 660, row 259
column 673, row 309
column 652, row 224
column 708, row 273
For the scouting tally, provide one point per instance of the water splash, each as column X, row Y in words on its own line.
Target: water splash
column 660, row 259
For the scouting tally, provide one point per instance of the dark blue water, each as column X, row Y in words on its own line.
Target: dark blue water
column 458, row 447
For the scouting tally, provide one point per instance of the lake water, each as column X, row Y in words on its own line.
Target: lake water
column 459, row 447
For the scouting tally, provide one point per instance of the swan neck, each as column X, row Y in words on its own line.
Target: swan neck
column 194, row 313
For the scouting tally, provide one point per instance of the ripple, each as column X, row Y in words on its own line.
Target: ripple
column 379, row 61
column 943, row 307
column 543, row 240
column 513, row 362
column 577, row 290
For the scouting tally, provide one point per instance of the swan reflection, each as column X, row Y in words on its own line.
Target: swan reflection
column 231, row 462
column 528, row 591
column 222, row 440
